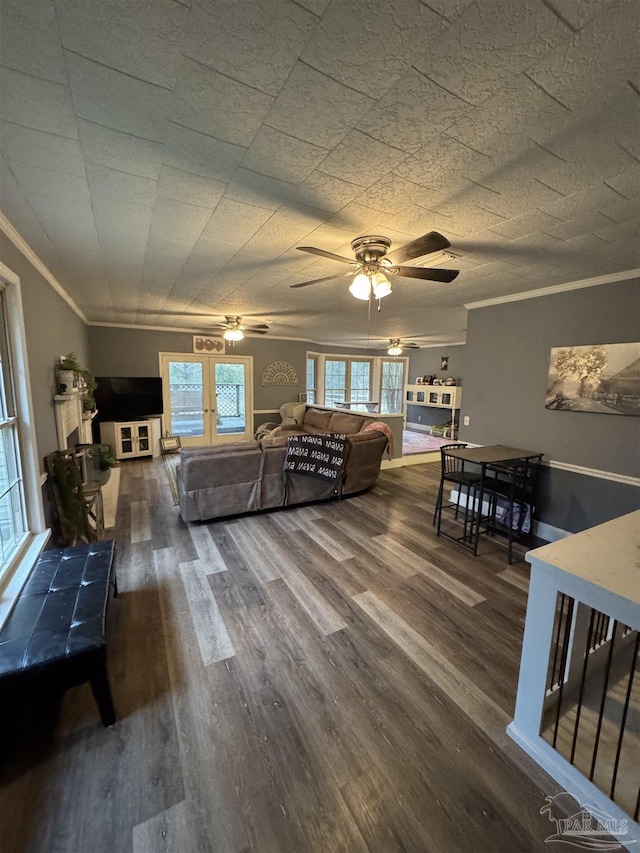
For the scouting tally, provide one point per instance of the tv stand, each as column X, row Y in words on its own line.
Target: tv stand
column 134, row 438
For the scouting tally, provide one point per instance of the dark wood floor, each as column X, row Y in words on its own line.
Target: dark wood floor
column 328, row 678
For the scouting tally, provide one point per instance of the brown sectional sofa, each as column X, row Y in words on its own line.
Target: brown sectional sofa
column 248, row 476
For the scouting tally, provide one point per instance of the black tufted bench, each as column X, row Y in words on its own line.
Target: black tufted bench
column 55, row 635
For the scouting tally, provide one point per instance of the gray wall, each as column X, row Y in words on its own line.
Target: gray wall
column 426, row 362
column 505, row 380
column 52, row 329
column 134, row 352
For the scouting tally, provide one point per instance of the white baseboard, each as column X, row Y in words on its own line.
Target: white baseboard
column 548, row 532
column 418, row 427
column 398, row 462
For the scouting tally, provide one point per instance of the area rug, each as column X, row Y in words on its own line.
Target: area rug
column 420, row 442
column 171, row 461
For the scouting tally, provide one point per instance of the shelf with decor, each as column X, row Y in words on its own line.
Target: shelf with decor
column 437, row 397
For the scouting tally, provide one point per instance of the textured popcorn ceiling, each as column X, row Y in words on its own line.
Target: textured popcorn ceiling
column 165, row 157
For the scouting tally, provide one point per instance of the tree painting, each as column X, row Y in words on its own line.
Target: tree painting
column 602, row 378
column 583, row 365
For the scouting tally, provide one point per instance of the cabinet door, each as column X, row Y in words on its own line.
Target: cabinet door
column 126, row 440
column 144, row 439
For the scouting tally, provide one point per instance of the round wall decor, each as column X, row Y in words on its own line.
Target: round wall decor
column 280, row 373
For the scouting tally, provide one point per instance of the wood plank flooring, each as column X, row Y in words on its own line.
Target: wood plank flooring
column 327, row 678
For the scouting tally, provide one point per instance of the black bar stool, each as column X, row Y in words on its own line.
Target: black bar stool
column 453, row 472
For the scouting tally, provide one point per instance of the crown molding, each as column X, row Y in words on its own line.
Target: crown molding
column 556, row 288
column 21, row 244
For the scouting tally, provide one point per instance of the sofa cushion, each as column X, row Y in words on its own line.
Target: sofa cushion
column 277, row 440
column 221, row 469
column 363, row 463
column 207, row 449
column 345, row 422
column 283, row 431
column 272, row 492
column 317, row 418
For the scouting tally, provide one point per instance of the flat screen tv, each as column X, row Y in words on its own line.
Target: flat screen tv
column 128, row 398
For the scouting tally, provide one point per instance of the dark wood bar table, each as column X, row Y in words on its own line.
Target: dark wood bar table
column 484, row 456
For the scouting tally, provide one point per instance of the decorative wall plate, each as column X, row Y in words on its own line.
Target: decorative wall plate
column 280, row 373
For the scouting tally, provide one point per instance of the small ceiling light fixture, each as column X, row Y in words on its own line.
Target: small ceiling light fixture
column 370, row 284
column 360, row 287
column 233, row 335
column 395, row 348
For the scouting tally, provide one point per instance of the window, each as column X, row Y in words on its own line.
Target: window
column 359, row 382
column 335, row 381
column 13, row 525
column 312, row 374
column 347, row 379
column 391, row 396
column 22, row 528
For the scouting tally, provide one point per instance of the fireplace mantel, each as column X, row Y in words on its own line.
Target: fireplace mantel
column 69, row 417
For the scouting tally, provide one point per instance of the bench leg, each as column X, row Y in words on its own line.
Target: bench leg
column 99, row 682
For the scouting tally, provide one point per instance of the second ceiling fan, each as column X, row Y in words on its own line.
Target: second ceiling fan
column 374, row 263
column 233, row 331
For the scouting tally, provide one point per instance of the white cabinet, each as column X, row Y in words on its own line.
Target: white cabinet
column 131, row 439
column 437, row 397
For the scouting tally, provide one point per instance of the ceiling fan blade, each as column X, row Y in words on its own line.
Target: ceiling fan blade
column 425, row 245
column 427, row 273
column 326, row 278
column 257, row 327
column 313, row 251
column 253, row 331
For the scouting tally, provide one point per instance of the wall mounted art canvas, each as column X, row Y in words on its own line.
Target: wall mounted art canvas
column 602, row 378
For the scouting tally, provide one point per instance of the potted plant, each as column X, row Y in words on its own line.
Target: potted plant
column 70, row 374
column 107, row 461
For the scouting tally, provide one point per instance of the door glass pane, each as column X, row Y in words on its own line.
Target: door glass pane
column 230, row 399
column 360, row 382
column 335, row 381
column 186, row 398
column 391, row 398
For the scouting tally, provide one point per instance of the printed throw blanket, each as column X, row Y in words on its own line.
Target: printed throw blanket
column 321, row 456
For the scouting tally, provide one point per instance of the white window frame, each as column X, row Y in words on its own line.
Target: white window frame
column 405, row 372
column 376, row 372
column 15, row 572
column 348, row 360
column 314, row 358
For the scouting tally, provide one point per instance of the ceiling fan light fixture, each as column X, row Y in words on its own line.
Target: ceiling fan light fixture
column 233, row 335
column 360, row 287
column 381, row 285
column 394, row 349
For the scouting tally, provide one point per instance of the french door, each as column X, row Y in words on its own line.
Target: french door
column 208, row 399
